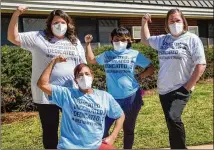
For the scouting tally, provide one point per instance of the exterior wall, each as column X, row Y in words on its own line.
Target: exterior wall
column 156, row 27
column 102, row 26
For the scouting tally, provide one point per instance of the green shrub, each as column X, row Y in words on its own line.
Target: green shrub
column 16, row 74
column 210, row 64
column 15, row 79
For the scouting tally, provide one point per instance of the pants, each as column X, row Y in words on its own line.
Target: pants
column 173, row 105
column 131, row 107
column 49, row 116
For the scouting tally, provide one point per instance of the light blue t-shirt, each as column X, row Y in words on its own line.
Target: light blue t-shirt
column 119, row 68
column 178, row 58
column 83, row 116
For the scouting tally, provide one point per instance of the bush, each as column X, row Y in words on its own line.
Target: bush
column 210, row 66
column 15, row 79
column 16, row 74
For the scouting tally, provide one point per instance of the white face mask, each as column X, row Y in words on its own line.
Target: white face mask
column 176, row 28
column 85, row 82
column 120, row 46
column 59, row 29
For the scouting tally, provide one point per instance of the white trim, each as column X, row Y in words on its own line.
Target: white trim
column 193, row 29
column 101, row 8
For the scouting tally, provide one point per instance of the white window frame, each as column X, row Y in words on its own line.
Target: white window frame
column 193, row 29
column 134, row 36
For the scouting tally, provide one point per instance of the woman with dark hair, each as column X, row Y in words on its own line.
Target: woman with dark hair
column 83, row 110
column 182, row 62
column 119, row 64
column 57, row 39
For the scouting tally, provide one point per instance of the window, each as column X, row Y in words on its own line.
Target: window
column 210, row 30
column 202, row 27
column 193, row 29
column 136, row 32
column 34, row 24
column 86, row 26
column 100, row 29
column 5, row 20
column 105, row 29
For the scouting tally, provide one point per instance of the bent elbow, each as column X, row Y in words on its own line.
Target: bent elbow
column 91, row 61
column 122, row 116
column 9, row 38
column 39, row 84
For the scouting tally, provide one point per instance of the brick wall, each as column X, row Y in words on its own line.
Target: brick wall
column 156, row 27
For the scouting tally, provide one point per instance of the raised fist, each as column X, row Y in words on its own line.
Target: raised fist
column 88, row 38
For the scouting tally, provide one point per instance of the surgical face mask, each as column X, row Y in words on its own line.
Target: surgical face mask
column 120, row 46
column 59, row 29
column 85, row 82
column 176, row 28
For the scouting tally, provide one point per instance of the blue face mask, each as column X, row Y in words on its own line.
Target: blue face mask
column 120, row 46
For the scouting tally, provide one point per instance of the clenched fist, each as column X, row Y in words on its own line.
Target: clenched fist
column 88, row 38
column 146, row 18
column 20, row 10
column 59, row 59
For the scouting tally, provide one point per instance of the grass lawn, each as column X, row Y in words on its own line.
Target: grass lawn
column 150, row 129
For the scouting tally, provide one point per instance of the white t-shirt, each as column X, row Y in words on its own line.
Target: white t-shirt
column 42, row 52
column 178, row 58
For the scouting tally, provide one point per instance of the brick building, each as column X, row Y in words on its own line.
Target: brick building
column 100, row 17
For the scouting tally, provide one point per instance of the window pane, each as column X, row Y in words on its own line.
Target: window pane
column 33, row 24
column 5, row 20
column 84, row 27
column 211, row 30
column 105, row 29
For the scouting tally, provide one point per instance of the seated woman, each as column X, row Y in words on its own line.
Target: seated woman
column 83, row 110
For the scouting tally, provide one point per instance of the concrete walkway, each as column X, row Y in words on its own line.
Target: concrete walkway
column 208, row 146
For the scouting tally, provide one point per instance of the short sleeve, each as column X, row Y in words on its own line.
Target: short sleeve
column 28, row 40
column 100, row 59
column 114, row 111
column 59, row 95
column 198, row 55
column 81, row 52
column 142, row 61
column 155, row 41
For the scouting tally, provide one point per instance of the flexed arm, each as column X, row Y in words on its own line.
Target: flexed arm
column 12, row 33
column 89, row 53
column 197, row 73
column 118, row 126
column 43, row 82
column 145, row 33
column 147, row 72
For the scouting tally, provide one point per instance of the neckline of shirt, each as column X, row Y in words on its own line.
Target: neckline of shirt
column 182, row 35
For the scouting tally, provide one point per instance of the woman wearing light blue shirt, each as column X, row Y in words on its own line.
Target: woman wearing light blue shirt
column 119, row 64
column 182, row 62
column 83, row 110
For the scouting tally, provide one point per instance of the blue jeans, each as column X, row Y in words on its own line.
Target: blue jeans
column 131, row 107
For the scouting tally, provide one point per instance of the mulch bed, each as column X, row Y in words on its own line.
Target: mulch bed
column 8, row 118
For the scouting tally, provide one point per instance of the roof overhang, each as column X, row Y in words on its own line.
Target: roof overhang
column 83, row 8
